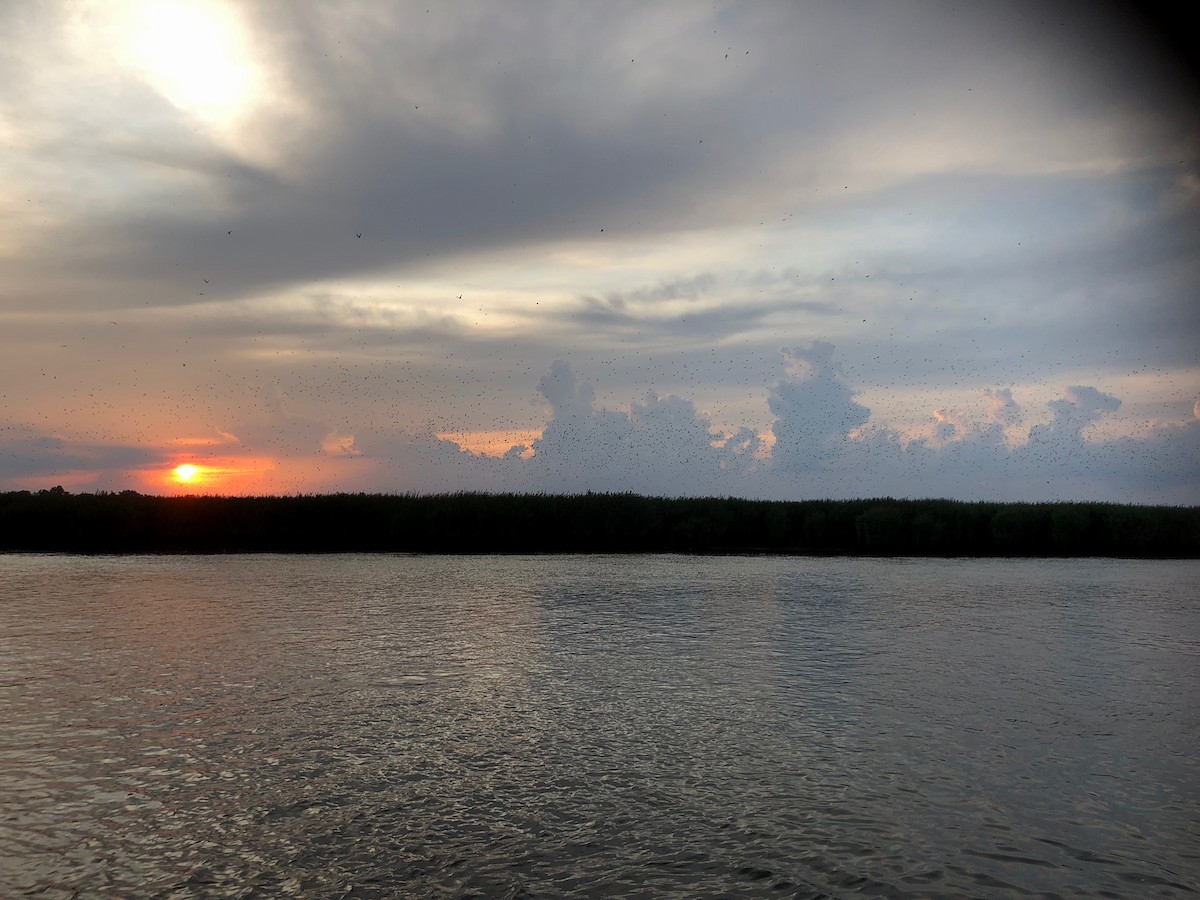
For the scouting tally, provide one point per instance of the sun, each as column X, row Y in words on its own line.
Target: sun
column 186, row 472
column 195, row 53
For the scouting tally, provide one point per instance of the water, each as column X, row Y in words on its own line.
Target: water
column 379, row 726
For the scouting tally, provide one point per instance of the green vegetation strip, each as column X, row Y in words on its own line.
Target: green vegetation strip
column 128, row 522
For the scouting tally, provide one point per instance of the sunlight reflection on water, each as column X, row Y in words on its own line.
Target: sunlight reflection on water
column 374, row 726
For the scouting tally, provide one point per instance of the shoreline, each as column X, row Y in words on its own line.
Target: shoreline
column 512, row 524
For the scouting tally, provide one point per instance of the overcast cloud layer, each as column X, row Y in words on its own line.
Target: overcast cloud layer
column 779, row 250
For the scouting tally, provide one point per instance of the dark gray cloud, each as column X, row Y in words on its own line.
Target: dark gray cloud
column 466, row 128
column 26, row 453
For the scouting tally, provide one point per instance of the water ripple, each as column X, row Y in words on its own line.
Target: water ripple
column 359, row 726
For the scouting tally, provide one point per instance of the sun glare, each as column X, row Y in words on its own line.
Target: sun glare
column 194, row 54
column 186, row 473
column 217, row 474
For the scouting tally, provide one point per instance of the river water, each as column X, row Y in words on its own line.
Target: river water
column 650, row 726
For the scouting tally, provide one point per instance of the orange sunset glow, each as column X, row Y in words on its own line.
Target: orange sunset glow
column 215, row 475
column 190, row 476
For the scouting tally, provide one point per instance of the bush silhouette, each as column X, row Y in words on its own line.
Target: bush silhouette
column 128, row 522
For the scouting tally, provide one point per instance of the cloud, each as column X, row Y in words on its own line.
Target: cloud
column 1002, row 410
column 432, row 134
column 1080, row 406
column 394, row 460
column 824, row 445
column 662, row 445
column 27, row 454
column 660, row 194
column 814, row 409
column 950, row 424
column 284, row 436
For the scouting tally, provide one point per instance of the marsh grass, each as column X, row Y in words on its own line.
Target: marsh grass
column 128, row 522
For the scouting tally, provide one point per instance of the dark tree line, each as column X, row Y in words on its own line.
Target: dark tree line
column 129, row 522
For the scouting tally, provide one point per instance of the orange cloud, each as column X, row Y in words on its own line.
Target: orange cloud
column 490, row 443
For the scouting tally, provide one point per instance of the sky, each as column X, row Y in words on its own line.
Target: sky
column 782, row 250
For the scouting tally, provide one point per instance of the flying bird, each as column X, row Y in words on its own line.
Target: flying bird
column 358, row 234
